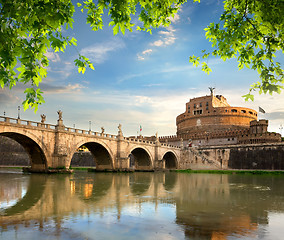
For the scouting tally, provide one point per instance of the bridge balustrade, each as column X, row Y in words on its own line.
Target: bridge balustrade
column 26, row 122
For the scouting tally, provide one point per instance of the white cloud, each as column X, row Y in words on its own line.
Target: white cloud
column 167, row 37
column 169, row 40
column 189, row 20
column 157, row 43
column 99, row 53
column 141, row 56
column 153, row 85
column 148, row 51
column 70, row 88
column 175, row 19
column 167, row 33
column 54, row 57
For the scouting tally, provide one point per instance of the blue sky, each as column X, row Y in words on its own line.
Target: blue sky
column 139, row 78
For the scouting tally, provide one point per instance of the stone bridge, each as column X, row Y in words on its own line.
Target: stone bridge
column 51, row 147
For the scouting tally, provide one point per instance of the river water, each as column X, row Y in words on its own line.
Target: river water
column 140, row 206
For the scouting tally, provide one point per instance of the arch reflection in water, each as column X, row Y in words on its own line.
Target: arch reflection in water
column 93, row 187
column 204, row 206
column 33, row 193
column 140, row 182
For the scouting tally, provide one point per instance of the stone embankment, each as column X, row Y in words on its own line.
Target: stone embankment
column 250, row 156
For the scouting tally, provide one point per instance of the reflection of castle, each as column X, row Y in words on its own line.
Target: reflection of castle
column 210, row 120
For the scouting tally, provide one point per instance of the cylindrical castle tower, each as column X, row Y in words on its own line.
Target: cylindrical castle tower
column 213, row 113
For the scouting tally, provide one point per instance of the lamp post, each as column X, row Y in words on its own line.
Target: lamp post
column 19, row 108
column 4, row 113
column 281, row 128
column 90, row 124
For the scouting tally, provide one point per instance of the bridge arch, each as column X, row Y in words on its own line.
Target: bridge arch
column 37, row 151
column 142, row 158
column 171, row 160
column 103, row 155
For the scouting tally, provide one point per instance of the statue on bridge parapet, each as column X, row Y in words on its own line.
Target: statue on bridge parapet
column 157, row 137
column 119, row 130
column 103, row 130
column 43, row 118
column 60, row 121
column 59, row 114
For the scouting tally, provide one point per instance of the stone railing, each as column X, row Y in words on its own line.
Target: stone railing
column 150, row 142
column 28, row 123
column 33, row 124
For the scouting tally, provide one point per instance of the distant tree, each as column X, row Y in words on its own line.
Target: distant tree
column 251, row 30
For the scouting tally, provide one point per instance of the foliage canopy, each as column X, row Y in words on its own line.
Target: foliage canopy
column 251, row 30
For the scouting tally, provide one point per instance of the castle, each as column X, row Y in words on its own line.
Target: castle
column 210, row 120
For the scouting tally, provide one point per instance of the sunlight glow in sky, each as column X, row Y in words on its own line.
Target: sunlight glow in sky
column 139, row 78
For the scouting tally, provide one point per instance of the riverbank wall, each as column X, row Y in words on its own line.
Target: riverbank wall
column 251, row 156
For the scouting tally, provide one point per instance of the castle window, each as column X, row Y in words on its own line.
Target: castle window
column 197, row 112
column 207, row 108
column 250, row 112
column 226, row 110
column 200, row 105
column 234, row 110
column 194, row 105
column 206, row 103
column 243, row 111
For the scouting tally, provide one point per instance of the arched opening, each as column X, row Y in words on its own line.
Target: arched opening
column 37, row 158
column 142, row 160
column 100, row 156
column 83, row 158
column 170, row 161
column 12, row 153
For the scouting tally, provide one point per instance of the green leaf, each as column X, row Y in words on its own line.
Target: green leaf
column 115, row 29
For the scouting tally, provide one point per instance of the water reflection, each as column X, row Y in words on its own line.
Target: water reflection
column 194, row 206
